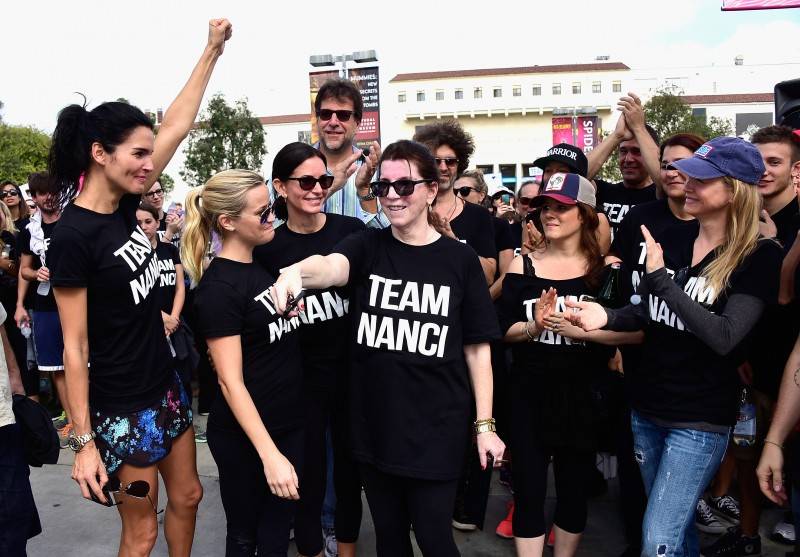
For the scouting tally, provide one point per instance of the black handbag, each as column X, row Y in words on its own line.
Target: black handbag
column 39, row 437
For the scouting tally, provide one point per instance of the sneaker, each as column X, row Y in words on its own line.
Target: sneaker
column 331, row 546
column 727, row 507
column 551, row 538
column 783, row 533
column 200, row 437
column 505, row 528
column 706, row 521
column 463, row 525
column 733, row 544
column 60, row 421
column 63, row 435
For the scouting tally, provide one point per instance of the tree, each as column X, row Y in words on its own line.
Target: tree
column 1, row 108
column 226, row 137
column 669, row 114
column 167, row 183
column 23, row 150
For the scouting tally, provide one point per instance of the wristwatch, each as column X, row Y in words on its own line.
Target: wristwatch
column 77, row 442
column 369, row 197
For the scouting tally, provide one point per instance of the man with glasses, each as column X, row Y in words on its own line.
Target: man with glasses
column 338, row 110
column 169, row 224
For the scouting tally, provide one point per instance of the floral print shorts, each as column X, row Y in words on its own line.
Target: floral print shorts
column 144, row 437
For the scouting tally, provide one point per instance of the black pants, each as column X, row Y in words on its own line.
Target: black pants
column 633, row 500
column 531, row 458
column 19, row 519
column 346, row 477
column 398, row 502
column 258, row 521
column 307, row 519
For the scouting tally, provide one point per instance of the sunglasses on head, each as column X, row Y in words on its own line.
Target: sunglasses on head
column 138, row 489
column 464, row 191
column 9, row 193
column 154, row 193
column 326, row 114
column 448, row 161
column 402, row 187
column 307, row 183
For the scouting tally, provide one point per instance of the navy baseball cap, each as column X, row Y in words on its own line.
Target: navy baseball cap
column 566, row 154
column 567, row 188
column 724, row 156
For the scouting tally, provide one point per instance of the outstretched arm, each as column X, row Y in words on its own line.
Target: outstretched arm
column 599, row 155
column 180, row 116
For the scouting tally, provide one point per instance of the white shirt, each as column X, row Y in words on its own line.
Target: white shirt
column 6, row 413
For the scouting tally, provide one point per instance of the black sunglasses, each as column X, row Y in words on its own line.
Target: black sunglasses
column 264, row 216
column 464, row 191
column 401, row 187
column 341, row 115
column 10, row 193
column 307, row 183
column 525, row 200
column 138, row 489
column 448, row 161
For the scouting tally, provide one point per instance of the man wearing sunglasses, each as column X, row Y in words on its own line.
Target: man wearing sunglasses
column 338, row 108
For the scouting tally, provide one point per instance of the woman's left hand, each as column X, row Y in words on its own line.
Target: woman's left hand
column 489, row 443
column 559, row 325
column 655, row 255
column 219, row 31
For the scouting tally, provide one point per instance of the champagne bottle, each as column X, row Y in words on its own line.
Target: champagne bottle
column 610, row 294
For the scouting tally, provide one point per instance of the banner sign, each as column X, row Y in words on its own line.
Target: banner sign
column 584, row 134
column 731, row 5
column 587, row 133
column 562, row 130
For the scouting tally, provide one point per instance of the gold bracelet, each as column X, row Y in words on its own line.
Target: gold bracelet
column 774, row 443
column 527, row 332
column 484, row 426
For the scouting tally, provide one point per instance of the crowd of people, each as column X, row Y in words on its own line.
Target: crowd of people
column 383, row 319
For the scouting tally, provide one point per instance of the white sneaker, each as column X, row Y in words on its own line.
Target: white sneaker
column 783, row 532
column 331, row 545
column 706, row 521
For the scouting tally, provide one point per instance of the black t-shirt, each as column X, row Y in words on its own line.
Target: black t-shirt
column 516, row 235
column 773, row 338
column 232, row 299
column 162, row 229
column 168, row 257
column 109, row 255
column 325, row 333
column 474, row 227
column 40, row 303
column 502, row 235
column 680, row 379
column 414, row 308
column 615, row 200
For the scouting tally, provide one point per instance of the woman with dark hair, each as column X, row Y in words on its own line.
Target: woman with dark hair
column 423, row 320
column 301, row 179
column 696, row 302
column 554, row 364
column 11, row 195
column 131, row 416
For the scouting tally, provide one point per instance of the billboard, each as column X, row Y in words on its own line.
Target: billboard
column 562, row 130
column 367, row 82
column 581, row 131
column 731, row 5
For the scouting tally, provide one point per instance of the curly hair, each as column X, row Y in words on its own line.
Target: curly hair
column 450, row 133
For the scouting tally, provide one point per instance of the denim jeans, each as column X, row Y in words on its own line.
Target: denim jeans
column 676, row 466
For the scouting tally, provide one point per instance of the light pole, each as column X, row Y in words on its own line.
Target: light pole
column 361, row 56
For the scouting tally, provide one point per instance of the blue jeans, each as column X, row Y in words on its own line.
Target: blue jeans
column 676, row 466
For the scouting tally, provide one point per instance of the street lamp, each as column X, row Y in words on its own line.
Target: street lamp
column 359, row 57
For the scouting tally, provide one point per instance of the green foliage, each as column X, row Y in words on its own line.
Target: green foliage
column 610, row 171
column 23, row 150
column 669, row 114
column 226, row 137
column 167, row 183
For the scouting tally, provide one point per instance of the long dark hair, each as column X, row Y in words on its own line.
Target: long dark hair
column 420, row 155
column 22, row 208
column 283, row 166
column 77, row 129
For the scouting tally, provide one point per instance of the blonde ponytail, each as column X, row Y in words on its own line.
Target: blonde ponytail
column 225, row 193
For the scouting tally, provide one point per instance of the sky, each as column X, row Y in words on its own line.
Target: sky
column 145, row 50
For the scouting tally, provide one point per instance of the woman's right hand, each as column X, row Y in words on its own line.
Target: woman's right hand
column 544, row 308
column 289, row 283
column 90, row 472
column 281, row 477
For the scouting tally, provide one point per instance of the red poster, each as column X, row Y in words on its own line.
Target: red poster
column 587, row 133
column 562, row 130
column 730, row 5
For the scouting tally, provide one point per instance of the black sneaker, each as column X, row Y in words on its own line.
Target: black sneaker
column 727, row 507
column 733, row 544
column 706, row 521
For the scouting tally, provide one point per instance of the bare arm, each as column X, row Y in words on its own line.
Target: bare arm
column 26, row 269
column 489, row 266
column 631, row 107
column 316, row 272
column 21, row 314
column 603, row 233
column 180, row 116
column 506, row 257
column 180, row 293
column 14, row 375
column 479, row 363
column 599, row 155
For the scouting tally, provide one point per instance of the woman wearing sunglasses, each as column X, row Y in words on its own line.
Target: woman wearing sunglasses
column 11, row 196
column 301, row 179
column 422, row 322
column 131, row 416
column 696, row 304
column 255, row 428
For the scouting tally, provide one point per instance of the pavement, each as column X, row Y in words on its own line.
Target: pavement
column 73, row 526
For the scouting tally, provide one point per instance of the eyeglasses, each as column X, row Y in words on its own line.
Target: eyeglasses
column 448, row 161
column 401, row 187
column 325, row 114
column 307, row 183
column 9, row 193
column 464, row 191
column 138, row 489
column 154, row 193
column 263, row 218
column 525, row 200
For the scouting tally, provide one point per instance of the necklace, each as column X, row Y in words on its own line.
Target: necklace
column 453, row 210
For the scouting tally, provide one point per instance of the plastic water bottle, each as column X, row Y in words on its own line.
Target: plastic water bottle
column 25, row 329
column 744, row 434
